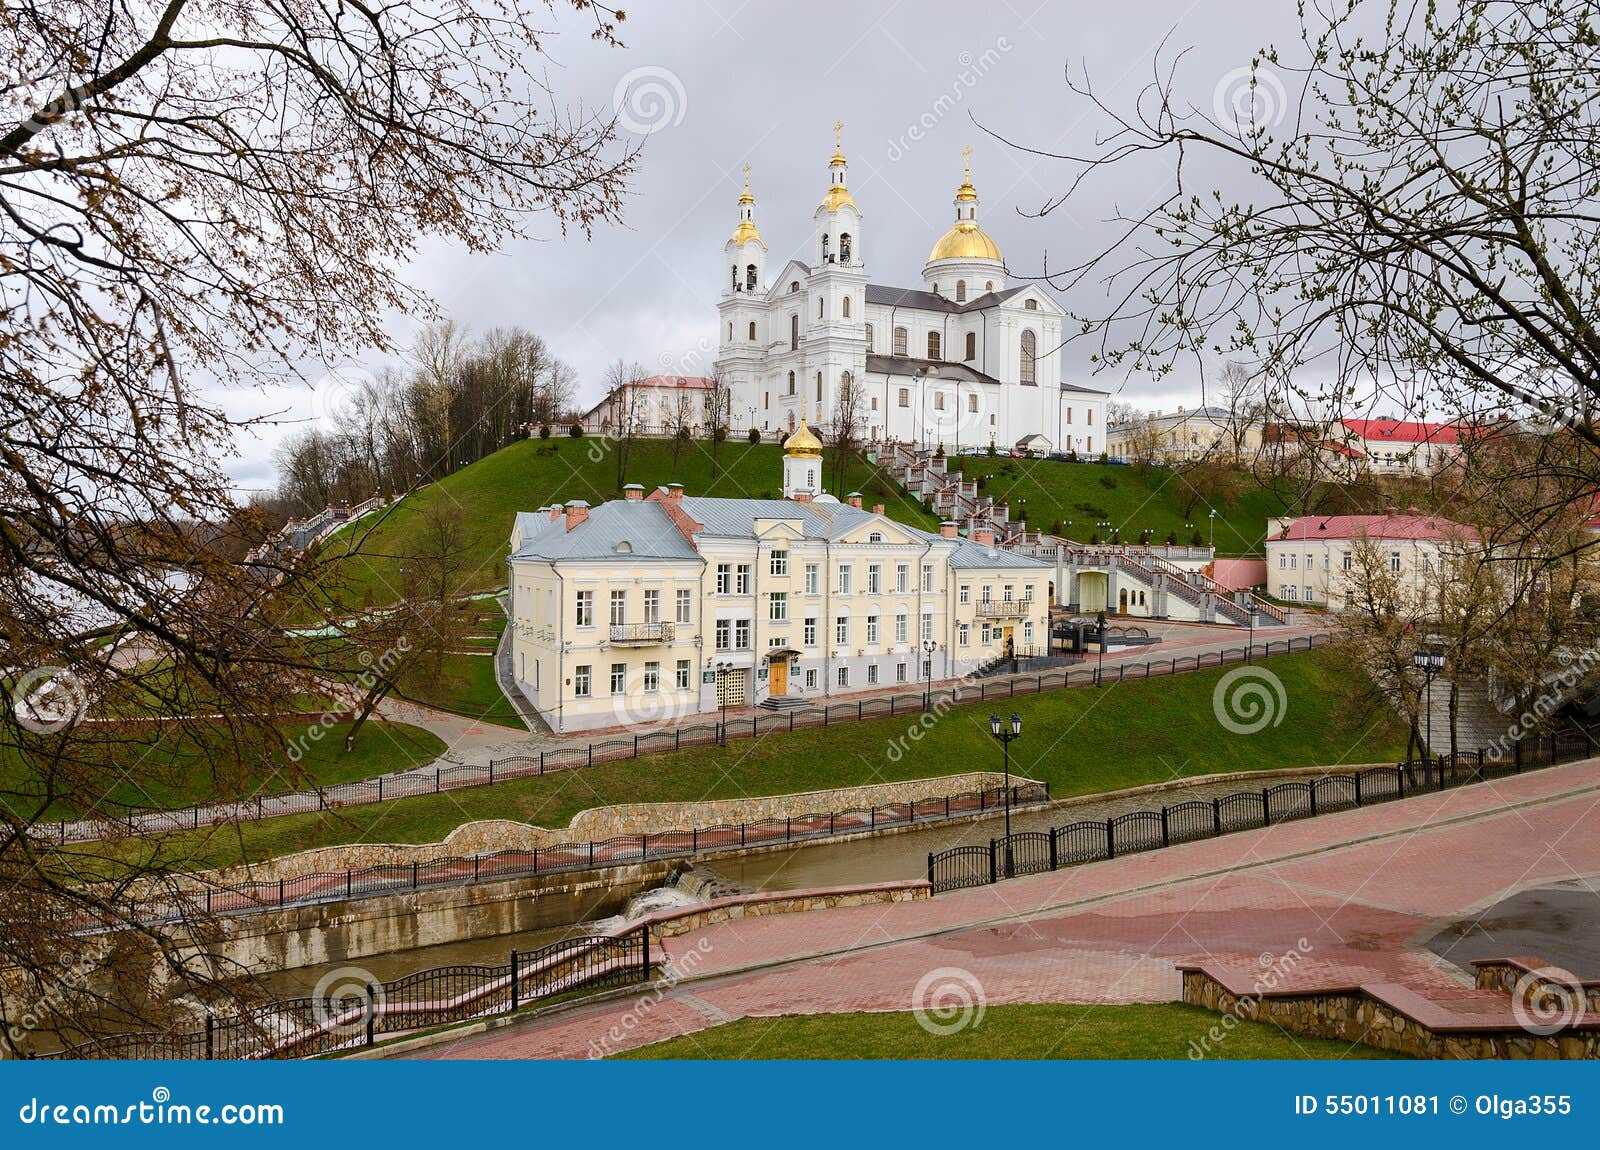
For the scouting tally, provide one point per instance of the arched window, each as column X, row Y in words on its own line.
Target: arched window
column 791, row 416
column 734, row 286
column 935, row 289
column 988, row 285
column 961, row 291
column 1031, row 304
column 1030, row 354
column 752, row 331
column 822, row 306
column 972, row 345
column 846, row 306
column 933, row 345
column 750, row 277
column 794, row 285
column 900, row 345
column 824, row 248
column 819, row 392
column 869, row 337
column 730, row 332
column 794, row 331
column 844, row 247
column 791, row 383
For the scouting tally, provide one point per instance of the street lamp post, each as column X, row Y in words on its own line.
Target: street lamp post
column 928, row 648
column 1006, row 738
column 1099, row 671
column 1254, row 608
column 723, row 669
column 1213, row 517
column 1430, row 663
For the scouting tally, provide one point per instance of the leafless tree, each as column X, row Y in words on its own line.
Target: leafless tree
column 719, row 408
column 845, row 423
column 626, row 404
column 202, row 196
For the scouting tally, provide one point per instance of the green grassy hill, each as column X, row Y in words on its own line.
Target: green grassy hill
column 534, row 473
column 1082, row 495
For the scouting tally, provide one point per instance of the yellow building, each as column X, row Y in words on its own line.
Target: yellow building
column 652, row 609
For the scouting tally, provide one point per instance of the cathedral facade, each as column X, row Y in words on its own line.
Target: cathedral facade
column 964, row 361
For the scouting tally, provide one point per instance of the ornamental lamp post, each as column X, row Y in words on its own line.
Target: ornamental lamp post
column 1213, row 517
column 1430, row 662
column 1006, row 738
column 1254, row 608
column 723, row 669
column 1100, row 670
column 928, row 648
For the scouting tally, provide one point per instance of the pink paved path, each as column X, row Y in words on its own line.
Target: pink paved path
column 1363, row 888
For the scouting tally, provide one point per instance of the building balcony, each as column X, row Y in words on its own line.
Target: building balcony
column 641, row 633
column 1002, row 608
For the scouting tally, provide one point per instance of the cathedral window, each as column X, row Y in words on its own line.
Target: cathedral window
column 933, row 345
column 735, row 271
column 752, row 331
column 844, row 247
column 794, row 285
column 988, row 285
column 822, row 306
column 1031, row 305
column 869, row 337
column 824, row 249
column 899, row 341
column 961, row 291
column 794, row 332
column 972, row 345
column 819, row 391
column 791, row 383
column 1030, row 350
column 938, row 401
column 972, row 403
column 846, row 306
column 905, row 397
column 750, row 277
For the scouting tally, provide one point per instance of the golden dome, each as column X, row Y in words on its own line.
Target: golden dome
column 745, row 232
column 837, row 197
column 966, row 192
column 803, row 444
column 966, row 241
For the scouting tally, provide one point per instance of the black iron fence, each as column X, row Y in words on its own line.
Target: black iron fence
column 1029, row 852
column 359, row 1015
column 557, row 858
column 632, row 746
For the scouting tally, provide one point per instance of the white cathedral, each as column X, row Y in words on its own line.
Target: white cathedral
column 963, row 362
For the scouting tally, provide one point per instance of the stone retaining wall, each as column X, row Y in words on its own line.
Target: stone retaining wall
column 598, row 823
column 1352, row 1014
column 668, row 924
column 1533, row 980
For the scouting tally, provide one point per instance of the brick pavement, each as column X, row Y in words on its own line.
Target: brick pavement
column 1363, row 888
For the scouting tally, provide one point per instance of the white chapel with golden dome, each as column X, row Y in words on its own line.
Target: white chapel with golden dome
column 964, row 361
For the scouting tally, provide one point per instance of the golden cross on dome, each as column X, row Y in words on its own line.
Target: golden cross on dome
column 747, row 177
column 838, row 134
column 966, row 157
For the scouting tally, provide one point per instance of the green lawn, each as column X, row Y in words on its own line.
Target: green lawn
column 175, row 773
column 1082, row 740
column 467, row 687
column 534, row 472
column 1163, row 1031
column 1084, row 494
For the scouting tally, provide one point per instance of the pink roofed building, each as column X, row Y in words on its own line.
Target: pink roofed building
column 1310, row 559
column 656, row 405
column 1395, row 446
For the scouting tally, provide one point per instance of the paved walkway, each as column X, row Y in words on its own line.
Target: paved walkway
column 1354, row 895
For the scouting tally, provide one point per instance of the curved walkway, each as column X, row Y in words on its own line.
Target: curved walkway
column 1353, row 895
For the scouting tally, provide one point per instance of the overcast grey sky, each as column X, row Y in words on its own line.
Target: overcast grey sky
column 713, row 84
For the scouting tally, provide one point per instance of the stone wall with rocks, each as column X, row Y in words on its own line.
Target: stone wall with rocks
column 599, row 823
column 1354, row 1015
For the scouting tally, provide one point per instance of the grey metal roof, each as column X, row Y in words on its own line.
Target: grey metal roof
column 976, row 556
column 905, row 365
column 736, row 517
column 929, row 301
column 643, row 526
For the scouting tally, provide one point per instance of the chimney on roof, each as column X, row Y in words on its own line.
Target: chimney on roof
column 673, row 490
column 853, row 499
column 633, row 492
column 948, row 530
column 577, row 512
column 554, row 511
column 984, row 537
column 801, row 497
column 877, row 509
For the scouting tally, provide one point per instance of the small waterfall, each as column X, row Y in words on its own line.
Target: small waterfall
column 688, row 887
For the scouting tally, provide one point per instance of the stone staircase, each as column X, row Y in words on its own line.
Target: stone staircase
column 1479, row 723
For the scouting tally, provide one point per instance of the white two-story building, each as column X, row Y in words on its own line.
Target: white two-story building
column 654, row 608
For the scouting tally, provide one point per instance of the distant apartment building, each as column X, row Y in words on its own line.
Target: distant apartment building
column 1311, row 559
column 656, row 405
column 1393, row 446
column 1182, row 436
